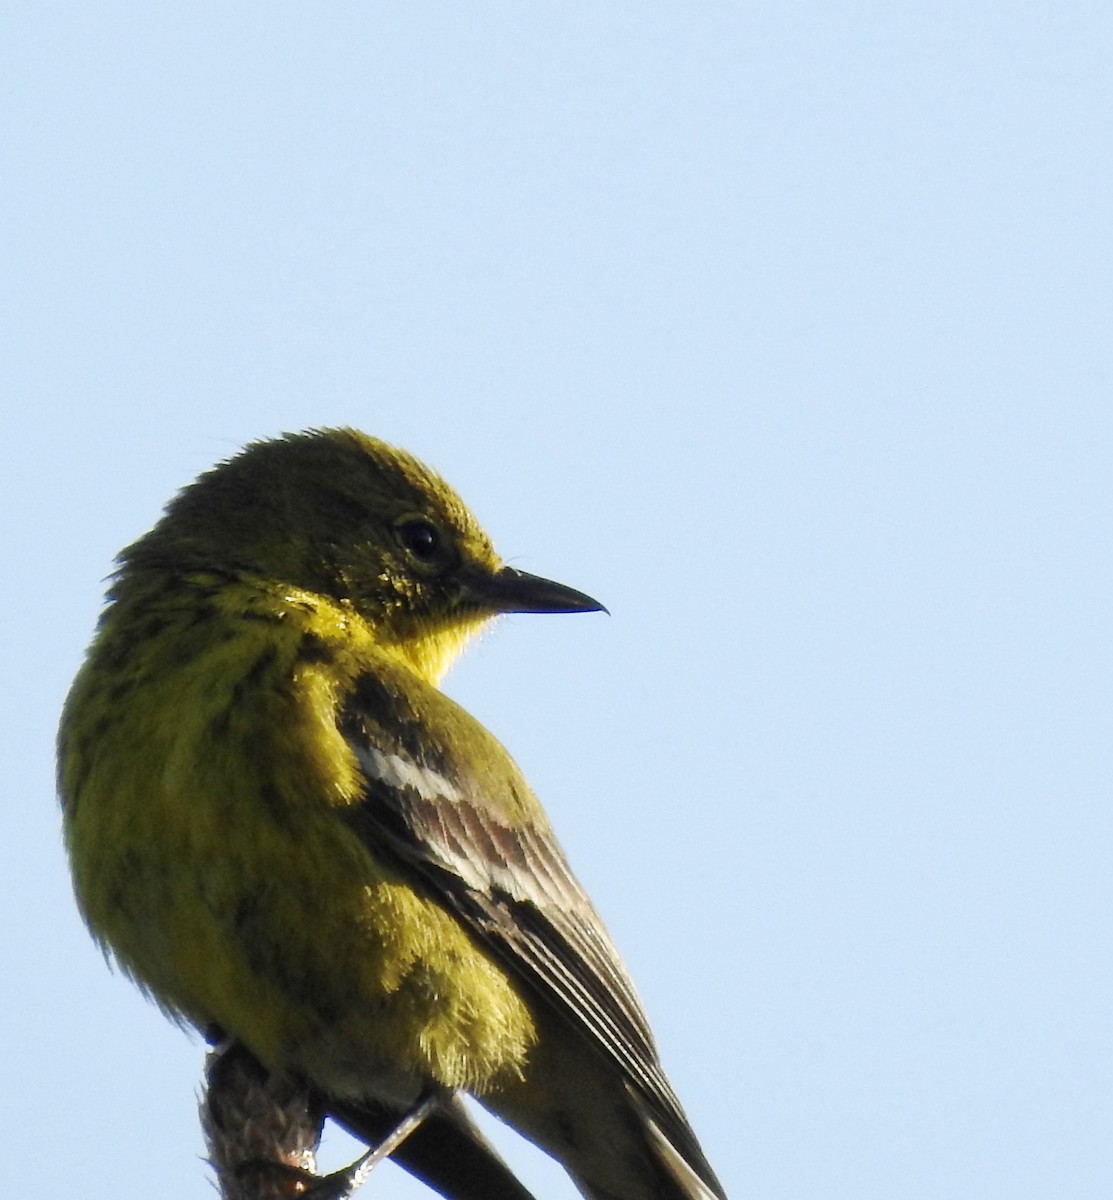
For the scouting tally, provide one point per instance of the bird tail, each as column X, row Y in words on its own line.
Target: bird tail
column 691, row 1185
column 448, row 1152
column 608, row 1137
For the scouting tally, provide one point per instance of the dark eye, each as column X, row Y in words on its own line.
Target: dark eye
column 420, row 538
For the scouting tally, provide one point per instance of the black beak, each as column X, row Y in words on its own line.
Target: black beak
column 512, row 591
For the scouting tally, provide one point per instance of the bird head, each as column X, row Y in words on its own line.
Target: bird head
column 340, row 514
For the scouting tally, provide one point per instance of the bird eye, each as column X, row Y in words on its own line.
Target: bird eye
column 420, row 538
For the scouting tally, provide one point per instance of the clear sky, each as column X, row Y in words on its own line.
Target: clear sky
column 784, row 329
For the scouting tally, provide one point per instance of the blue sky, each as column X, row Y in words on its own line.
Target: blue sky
column 782, row 329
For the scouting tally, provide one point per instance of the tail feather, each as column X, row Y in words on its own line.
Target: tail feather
column 695, row 1186
column 448, row 1152
column 599, row 1127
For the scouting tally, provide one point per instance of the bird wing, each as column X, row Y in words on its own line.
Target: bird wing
column 446, row 800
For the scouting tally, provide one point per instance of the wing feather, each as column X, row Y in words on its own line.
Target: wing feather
column 447, row 802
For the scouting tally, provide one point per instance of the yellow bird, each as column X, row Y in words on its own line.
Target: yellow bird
column 286, row 834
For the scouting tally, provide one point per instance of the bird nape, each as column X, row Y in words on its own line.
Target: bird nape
column 282, row 829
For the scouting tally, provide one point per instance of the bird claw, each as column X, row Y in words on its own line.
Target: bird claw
column 293, row 1183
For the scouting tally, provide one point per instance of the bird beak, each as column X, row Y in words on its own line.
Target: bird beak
column 512, row 591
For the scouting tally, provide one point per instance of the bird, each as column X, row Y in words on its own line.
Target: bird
column 284, row 831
